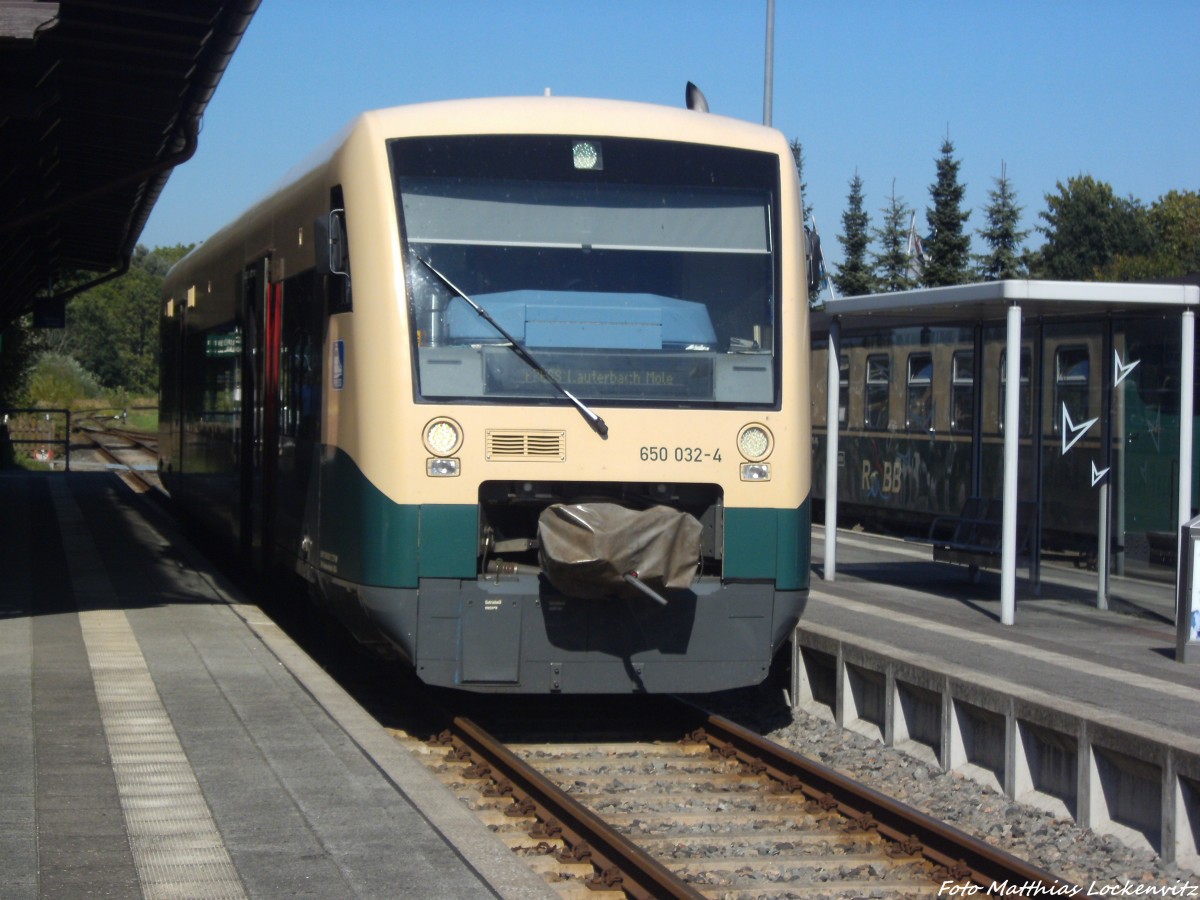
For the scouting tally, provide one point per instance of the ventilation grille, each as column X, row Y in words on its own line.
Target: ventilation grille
column 532, row 445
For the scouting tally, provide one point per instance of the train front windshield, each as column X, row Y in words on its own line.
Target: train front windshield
column 633, row 271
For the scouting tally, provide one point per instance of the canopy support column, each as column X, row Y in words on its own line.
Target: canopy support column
column 833, row 376
column 1187, row 368
column 1012, row 430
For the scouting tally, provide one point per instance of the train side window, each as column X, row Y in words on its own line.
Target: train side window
column 918, row 406
column 962, row 392
column 1024, row 396
column 1072, row 371
column 843, row 389
column 878, row 387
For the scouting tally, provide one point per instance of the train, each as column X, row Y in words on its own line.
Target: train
column 517, row 387
column 921, row 427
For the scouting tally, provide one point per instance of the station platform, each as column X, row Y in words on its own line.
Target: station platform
column 163, row 738
column 1080, row 710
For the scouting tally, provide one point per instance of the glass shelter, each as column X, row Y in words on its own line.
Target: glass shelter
column 1058, row 414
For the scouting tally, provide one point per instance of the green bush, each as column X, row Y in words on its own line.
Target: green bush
column 58, row 381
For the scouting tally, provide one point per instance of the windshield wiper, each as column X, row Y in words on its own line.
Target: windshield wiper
column 590, row 417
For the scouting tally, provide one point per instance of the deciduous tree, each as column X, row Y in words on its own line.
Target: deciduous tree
column 1174, row 221
column 1087, row 227
column 112, row 330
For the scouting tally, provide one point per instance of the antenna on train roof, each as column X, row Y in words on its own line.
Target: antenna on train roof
column 695, row 98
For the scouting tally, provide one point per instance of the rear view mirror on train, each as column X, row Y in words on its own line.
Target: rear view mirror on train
column 330, row 232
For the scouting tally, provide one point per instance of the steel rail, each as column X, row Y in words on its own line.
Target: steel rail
column 622, row 865
column 135, row 481
column 915, row 833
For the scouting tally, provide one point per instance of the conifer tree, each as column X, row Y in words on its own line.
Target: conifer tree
column 891, row 261
column 1004, row 258
column 948, row 246
column 854, row 276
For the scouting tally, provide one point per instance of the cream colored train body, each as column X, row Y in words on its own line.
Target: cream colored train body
column 520, row 386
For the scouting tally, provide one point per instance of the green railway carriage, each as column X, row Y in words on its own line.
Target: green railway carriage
column 518, row 386
column 921, row 425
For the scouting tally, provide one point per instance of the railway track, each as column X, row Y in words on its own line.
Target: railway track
column 133, row 455
column 715, row 811
column 718, row 813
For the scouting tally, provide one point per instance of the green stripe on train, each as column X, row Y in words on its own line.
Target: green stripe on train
column 761, row 543
column 366, row 538
column 369, row 539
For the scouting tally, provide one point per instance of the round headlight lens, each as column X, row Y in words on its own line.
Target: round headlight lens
column 754, row 442
column 442, row 437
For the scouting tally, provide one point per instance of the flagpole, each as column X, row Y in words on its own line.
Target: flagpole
column 769, row 74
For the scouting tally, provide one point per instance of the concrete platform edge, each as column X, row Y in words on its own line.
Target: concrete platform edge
column 492, row 860
column 1071, row 758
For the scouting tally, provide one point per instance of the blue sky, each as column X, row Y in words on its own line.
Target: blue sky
column 1052, row 89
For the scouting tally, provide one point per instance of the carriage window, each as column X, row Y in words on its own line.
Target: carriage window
column 962, row 392
column 1071, row 375
column 878, row 385
column 1024, row 398
column 918, row 407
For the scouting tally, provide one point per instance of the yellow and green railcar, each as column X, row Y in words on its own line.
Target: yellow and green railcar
column 519, row 386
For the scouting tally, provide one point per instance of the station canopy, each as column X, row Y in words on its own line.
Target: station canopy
column 99, row 101
column 1006, row 302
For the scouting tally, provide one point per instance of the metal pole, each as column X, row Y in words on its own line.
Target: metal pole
column 1103, row 523
column 769, row 74
column 1187, row 369
column 1008, row 538
column 833, row 386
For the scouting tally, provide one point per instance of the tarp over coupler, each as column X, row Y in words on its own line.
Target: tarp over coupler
column 588, row 549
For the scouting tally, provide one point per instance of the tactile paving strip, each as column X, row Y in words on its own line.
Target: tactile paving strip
column 176, row 846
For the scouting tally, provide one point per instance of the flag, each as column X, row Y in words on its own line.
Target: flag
column 815, row 259
column 916, row 252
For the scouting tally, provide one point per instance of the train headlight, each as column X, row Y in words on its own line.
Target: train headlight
column 441, row 468
column 755, row 442
column 756, row 471
column 442, row 437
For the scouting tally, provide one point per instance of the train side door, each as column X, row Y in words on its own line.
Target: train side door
column 261, row 318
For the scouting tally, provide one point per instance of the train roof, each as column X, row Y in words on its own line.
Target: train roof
column 582, row 116
column 578, row 116
column 990, row 301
